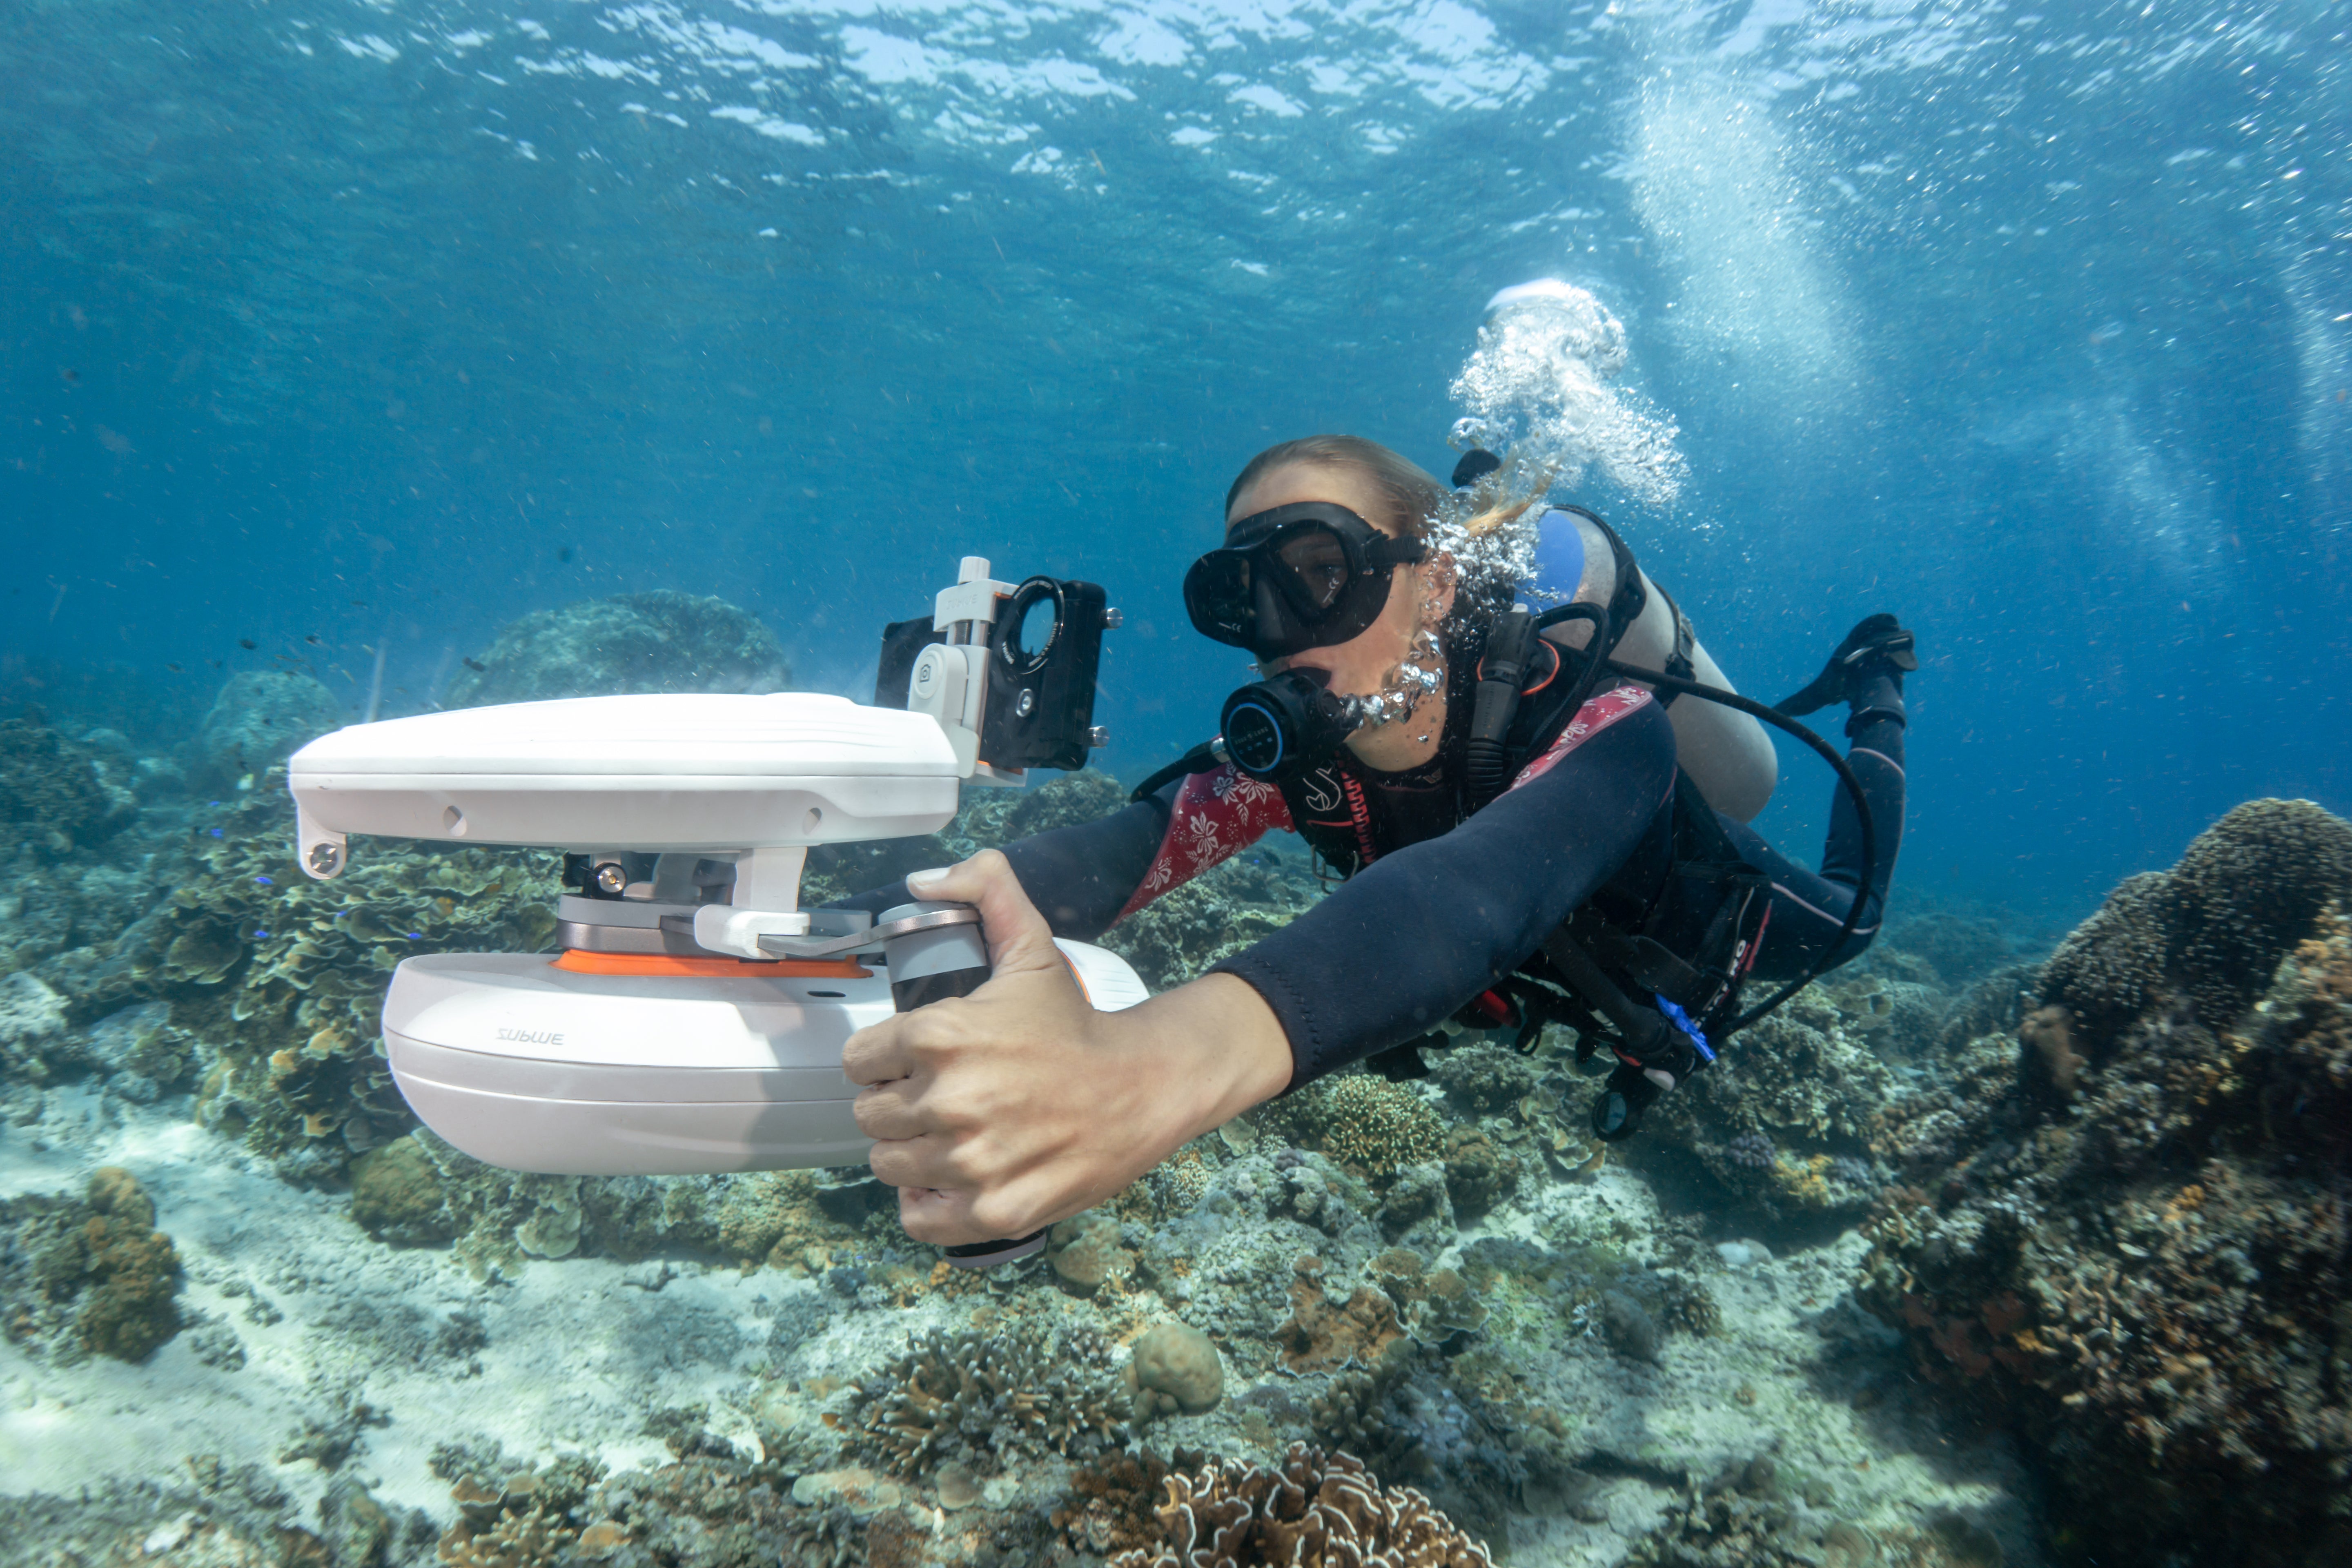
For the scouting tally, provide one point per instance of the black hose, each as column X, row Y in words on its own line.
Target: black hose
column 1828, row 754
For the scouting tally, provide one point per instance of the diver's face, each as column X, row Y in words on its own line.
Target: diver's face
column 1359, row 666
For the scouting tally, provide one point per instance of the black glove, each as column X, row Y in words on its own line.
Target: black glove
column 1876, row 648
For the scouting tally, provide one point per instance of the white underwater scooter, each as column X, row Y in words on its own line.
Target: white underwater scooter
column 694, row 1019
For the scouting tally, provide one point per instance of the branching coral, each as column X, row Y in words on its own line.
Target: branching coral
column 1313, row 1510
column 976, row 1396
column 1368, row 1124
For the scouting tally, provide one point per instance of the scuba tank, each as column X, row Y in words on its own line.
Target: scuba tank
column 1579, row 559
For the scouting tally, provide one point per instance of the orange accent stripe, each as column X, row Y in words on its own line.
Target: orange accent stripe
column 578, row 961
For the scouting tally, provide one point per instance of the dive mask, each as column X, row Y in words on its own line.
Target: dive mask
column 1310, row 575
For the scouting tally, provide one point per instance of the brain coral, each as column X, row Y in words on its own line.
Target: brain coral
column 1312, row 1511
column 2209, row 932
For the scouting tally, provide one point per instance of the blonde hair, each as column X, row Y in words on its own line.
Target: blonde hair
column 1409, row 496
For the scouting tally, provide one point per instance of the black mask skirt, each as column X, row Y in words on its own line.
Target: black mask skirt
column 1310, row 575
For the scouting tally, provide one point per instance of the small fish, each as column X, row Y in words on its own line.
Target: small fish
column 217, row 833
column 475, row 665
column 261, row 933
column 312, row 639
column 213, row 662
column 265, row 881
column 175, row 670
column 248, row 644
column 565, row 554
column 361, row 603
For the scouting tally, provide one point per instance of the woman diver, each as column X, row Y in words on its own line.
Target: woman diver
column 1525, row 836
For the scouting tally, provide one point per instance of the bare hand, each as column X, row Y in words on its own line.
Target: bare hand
column 1021, row 1105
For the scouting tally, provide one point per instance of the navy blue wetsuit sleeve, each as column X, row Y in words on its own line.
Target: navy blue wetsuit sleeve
column 1808, row 908
column 1079, row 877
column 1412, row 937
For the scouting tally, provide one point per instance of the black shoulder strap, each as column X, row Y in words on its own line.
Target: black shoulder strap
column 1678, row 661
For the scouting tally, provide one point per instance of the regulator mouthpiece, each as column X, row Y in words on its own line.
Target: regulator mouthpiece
column 1277, row 725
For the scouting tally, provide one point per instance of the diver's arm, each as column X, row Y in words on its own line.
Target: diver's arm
column 1393, row 952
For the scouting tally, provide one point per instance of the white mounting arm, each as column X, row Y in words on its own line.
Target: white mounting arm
column 949, row 680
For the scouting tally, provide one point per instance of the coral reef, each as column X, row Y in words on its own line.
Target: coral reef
column 1792, row 1094
column 2143, row 1273
column 417, row 1190
column 1109, row 1506
column 1485, row 1077
column 56, row 794
column 88, row 1275
column 32, row 1018
column 1181, row 935
column 1313, row 1510
column 976, row 1397
column 259, row 718
column 656, row 641
column 988, row 819
column 281, row 979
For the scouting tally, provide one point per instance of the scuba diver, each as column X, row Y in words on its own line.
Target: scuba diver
column 1527, row 834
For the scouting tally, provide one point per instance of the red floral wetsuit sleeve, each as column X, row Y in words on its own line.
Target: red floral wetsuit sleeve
column 1216, row 816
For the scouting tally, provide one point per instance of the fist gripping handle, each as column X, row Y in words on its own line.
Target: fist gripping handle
column 946, row 955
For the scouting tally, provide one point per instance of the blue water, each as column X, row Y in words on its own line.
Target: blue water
column 380, row 318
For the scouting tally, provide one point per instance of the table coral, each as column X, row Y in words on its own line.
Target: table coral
column 1313, row 1510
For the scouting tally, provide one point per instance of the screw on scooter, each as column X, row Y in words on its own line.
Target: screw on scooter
column 940, row 951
